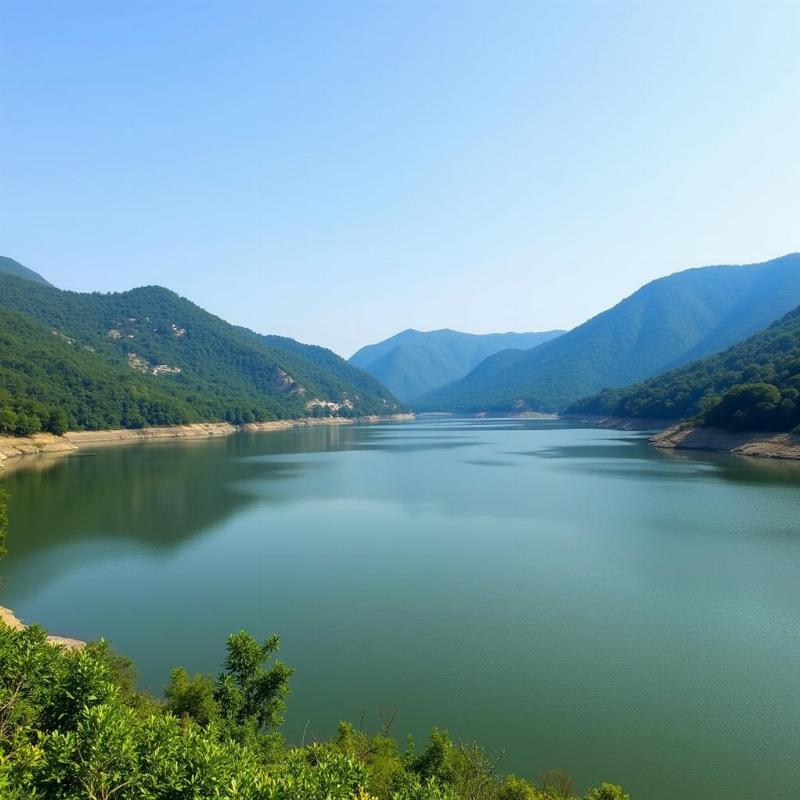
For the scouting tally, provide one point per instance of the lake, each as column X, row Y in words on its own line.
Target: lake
column 566, row 594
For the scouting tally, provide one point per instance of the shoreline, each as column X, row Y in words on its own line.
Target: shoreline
column 668, row 434
column 622, row 423
column 756, row 444
column 11, row 620
column 25, row 451
column 13, row 448
column 540, row 415
column 676, row 435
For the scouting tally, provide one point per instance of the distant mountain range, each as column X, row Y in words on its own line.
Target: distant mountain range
column 754, row 385
column 665, row 324
column 414, row 362
column 148, row 356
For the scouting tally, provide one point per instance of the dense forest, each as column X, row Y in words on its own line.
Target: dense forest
column 665, row 324
column 149, row 357
column 754, row 385
column 48, row 383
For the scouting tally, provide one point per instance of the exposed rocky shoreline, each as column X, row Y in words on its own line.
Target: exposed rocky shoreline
column 13, row 447
column 9, row 618
column 623, row 423
column 683, row 436
column 757, row 444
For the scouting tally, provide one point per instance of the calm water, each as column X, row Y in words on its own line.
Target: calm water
column 568, row 595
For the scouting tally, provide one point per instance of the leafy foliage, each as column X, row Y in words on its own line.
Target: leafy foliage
column 150, row 357
column 756, row 407
column 72, row 727
column 249, row 694
column 3, row 520
column 665, row 324
column 191, row 697
column 754, row 385
column 412, row 363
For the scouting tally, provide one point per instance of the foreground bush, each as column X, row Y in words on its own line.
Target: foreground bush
column 72, row 727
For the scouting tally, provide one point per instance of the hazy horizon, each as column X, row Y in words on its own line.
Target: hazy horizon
column 342, row 173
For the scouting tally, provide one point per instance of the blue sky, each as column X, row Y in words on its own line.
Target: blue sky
column 339, row 171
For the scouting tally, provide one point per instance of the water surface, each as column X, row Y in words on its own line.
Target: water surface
column 568, row 595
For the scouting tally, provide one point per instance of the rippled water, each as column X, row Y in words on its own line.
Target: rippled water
column 568, row 595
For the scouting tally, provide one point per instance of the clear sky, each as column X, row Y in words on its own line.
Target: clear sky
column 338, row 171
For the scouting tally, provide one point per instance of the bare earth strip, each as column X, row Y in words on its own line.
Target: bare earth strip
column 762, row 445
column 12, row 447
column 7, row 617
column 623, row 423
column 682, row 436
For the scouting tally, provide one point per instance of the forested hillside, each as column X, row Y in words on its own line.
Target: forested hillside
column 150, row 357
column 665, row 324
column 414, row 362
column 49, row 383
column 754, row 385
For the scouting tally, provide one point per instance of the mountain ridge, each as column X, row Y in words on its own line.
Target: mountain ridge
column 413, row 362
column 664, row 324
column 753, row 385
column 10, row 266
column 148, row 356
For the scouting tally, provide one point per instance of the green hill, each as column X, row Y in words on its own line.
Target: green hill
column 10, row 267
column 414, row 362
column 148, row 356
column 754, row 385
column 665, row 324
column 47, row 382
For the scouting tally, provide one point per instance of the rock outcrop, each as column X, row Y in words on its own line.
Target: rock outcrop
column 758, row 444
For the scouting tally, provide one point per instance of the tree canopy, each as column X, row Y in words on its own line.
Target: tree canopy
column 754, row 385
column 149, row 357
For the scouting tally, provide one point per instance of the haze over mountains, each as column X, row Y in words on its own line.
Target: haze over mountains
column 413, row 362
column 149, row 356
column 753, row 385
column 665, row 324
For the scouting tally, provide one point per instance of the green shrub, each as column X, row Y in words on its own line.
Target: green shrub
column 73, row 727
